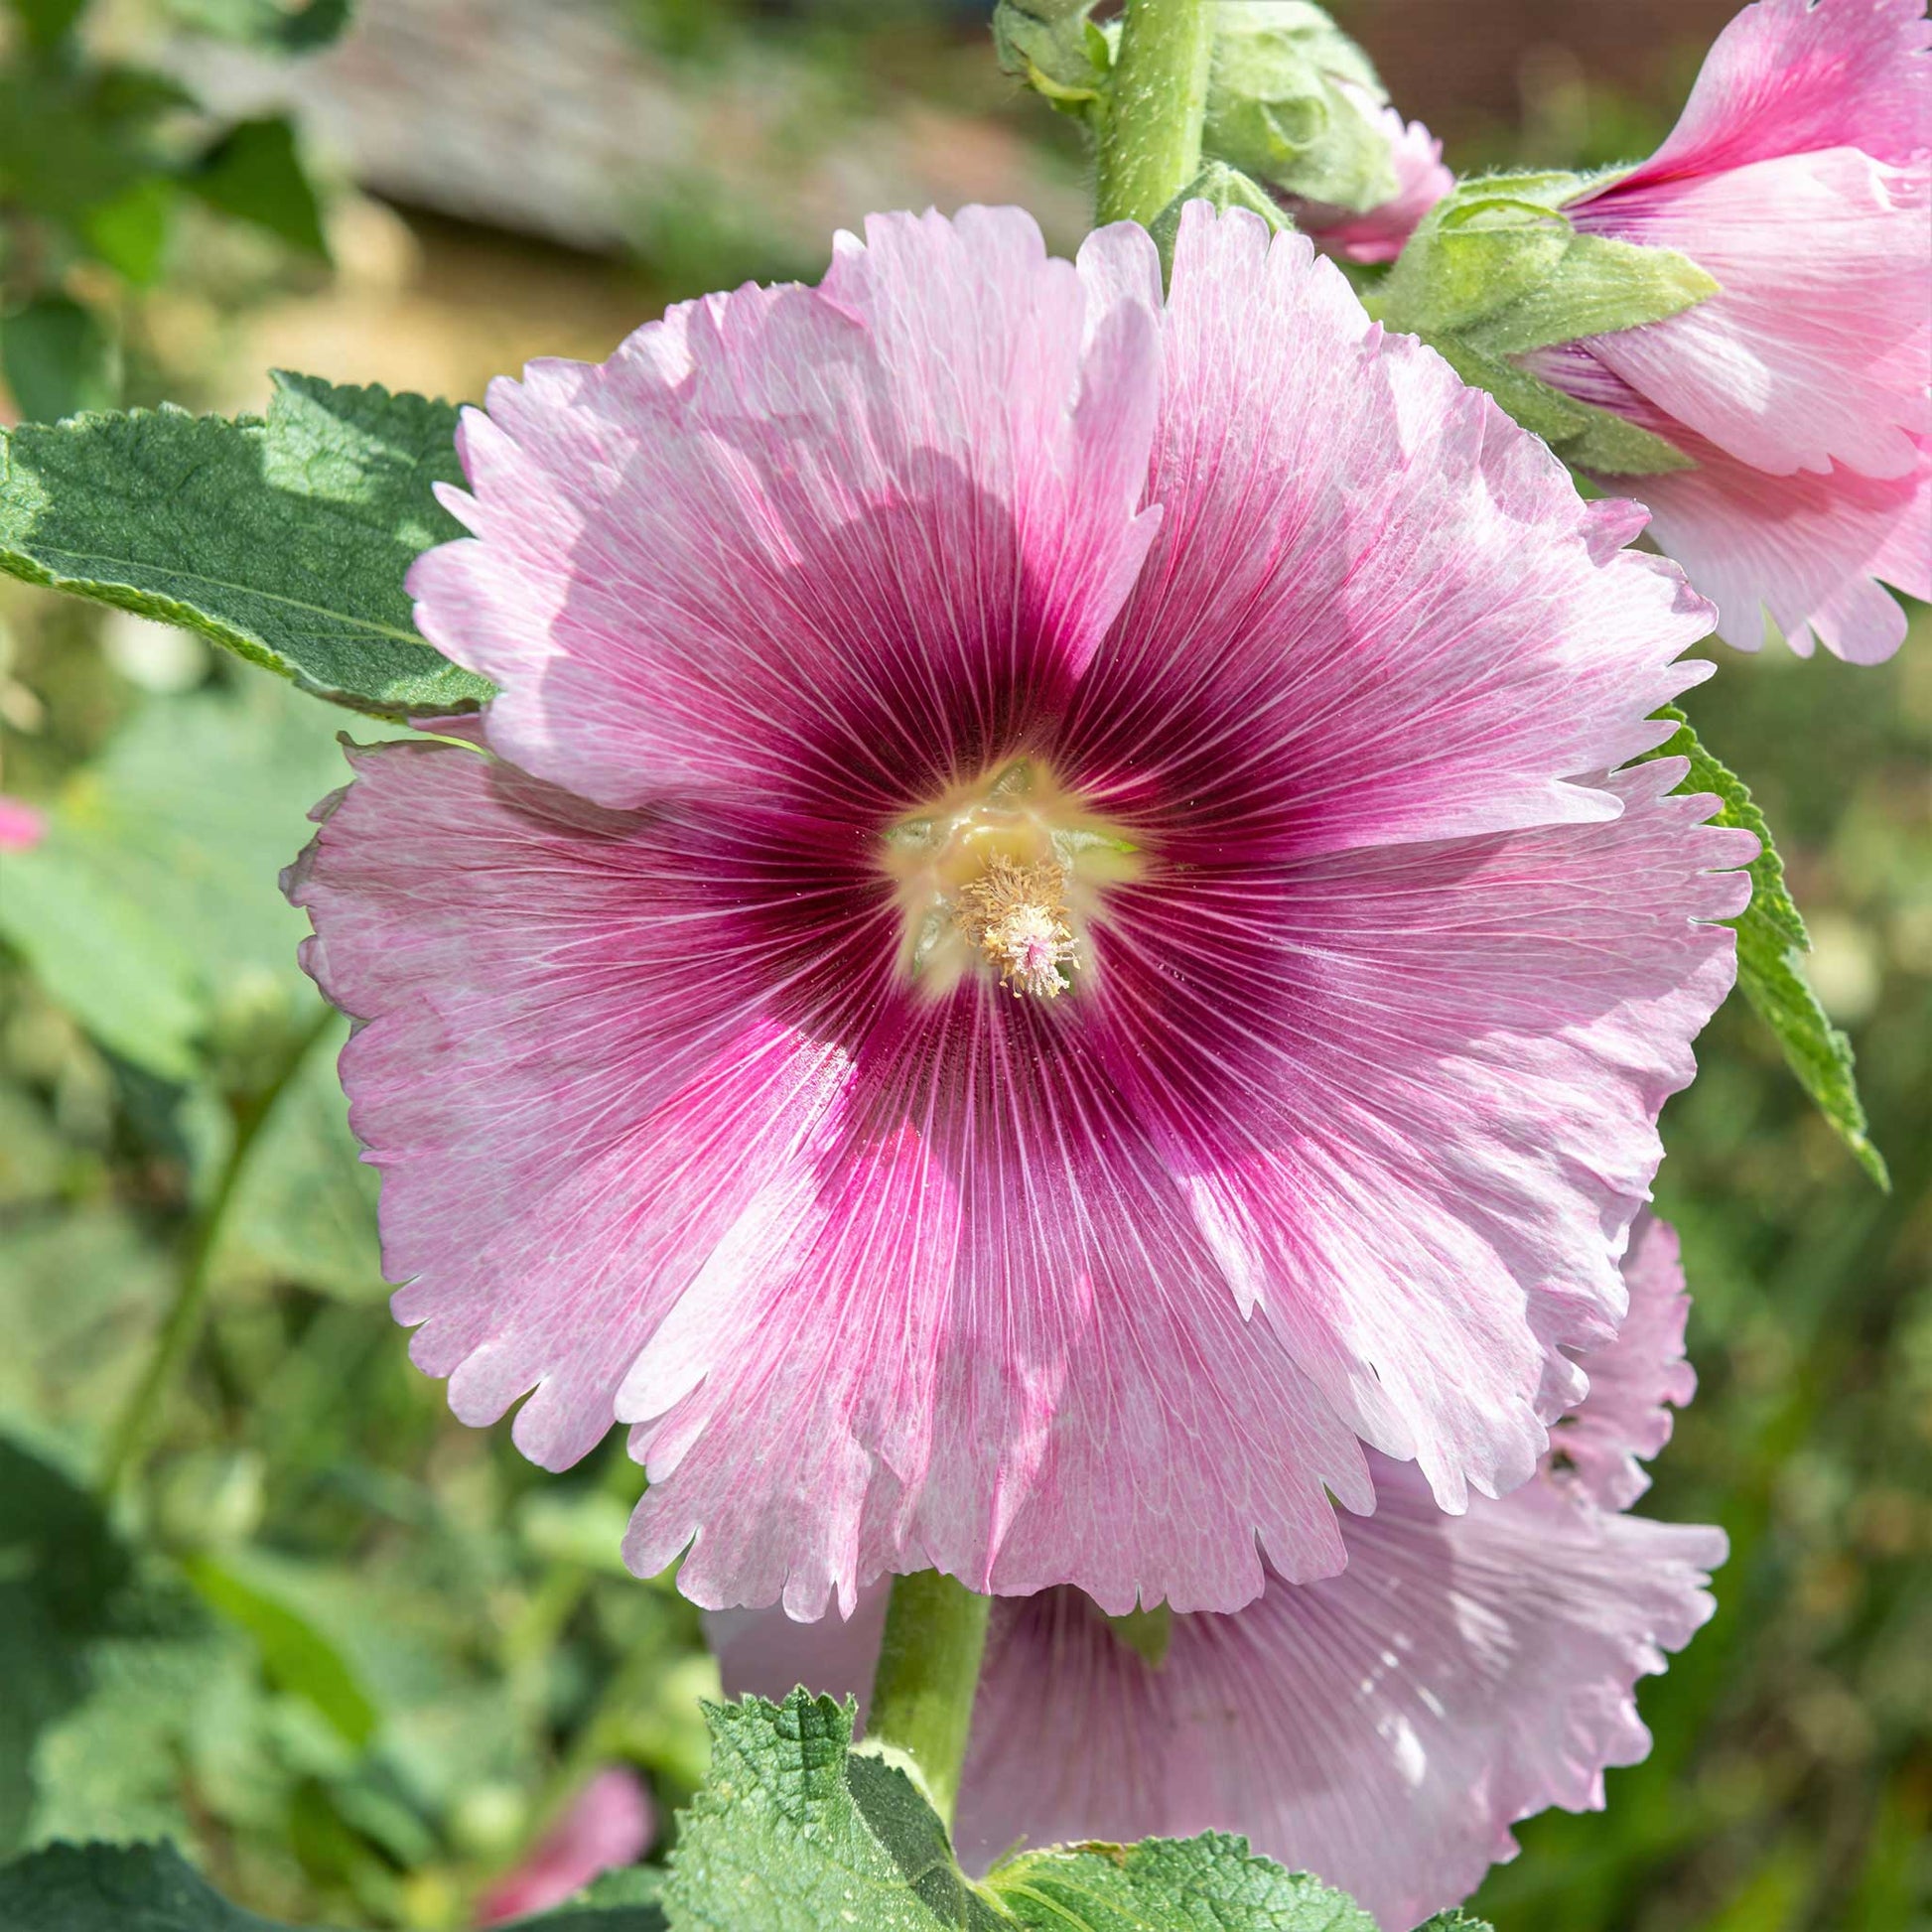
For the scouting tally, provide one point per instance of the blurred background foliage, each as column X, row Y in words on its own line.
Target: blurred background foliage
column 356, row 1656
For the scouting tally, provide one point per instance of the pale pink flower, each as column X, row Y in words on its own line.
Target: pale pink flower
column 1049, row 950
column 609, row 1823
column 1800, row 177
column 1382, row 1729
column 1376, row 234
column 21, row 826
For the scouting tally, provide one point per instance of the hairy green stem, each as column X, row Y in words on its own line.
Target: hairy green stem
column 929, row 1672
column 1150, row 144
column 181, row 1325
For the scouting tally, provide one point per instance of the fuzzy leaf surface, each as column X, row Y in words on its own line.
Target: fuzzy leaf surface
column 286, row 540
column 1771, row 941
column 795, row 1831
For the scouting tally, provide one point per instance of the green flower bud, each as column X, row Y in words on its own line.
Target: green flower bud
column 1058, row 52
column 1496, row 270
column 1293, row 103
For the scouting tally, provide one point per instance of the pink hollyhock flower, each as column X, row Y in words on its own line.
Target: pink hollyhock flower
column 1376, row 234
column 1800, row 177
column 1055, row 940
column 21, row 826
column 609, row 1823
column 1382, row 1729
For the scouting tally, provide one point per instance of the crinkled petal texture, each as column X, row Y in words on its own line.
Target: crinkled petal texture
column 1800, row 176
column 1383, row 1729
column 1332, row 1143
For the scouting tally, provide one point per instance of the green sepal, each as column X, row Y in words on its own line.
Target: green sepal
column 1498, row 265
column 1148, row 1633
column 1222, row 187
column 1771, row 941
column 1581, row 434
column 1058, row 52
column 1292, row 102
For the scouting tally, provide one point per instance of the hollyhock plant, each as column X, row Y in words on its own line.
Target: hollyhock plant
column 1376, row 234
column 1382, row 1729
column 1800, row 177
column 1055, row 940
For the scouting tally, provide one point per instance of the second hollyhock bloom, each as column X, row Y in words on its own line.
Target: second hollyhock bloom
column 1800, row 177
column 1383, row 1729
column 1055, row 940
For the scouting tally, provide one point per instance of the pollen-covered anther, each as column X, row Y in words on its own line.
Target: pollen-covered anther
column 1016, row 916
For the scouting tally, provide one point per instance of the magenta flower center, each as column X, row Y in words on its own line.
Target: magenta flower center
column 1004, row 875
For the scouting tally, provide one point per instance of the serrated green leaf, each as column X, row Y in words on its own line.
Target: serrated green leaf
column 59, row 357
column 1772, row 941
column 153, row 1889
column 254, row 173
column 285, row 540
column 797, row 1832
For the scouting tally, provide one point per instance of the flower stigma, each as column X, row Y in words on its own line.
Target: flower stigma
column 1004, row 875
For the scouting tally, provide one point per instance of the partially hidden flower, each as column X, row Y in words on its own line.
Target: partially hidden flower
column 1382, row 1729
column 1056, row 937
column 21, row 826
column 1376, row 233
column 1799, row 177
column 609, row 1823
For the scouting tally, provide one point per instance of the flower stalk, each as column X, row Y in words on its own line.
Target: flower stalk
column 182, row 1325
column 1150, row 143
column 929, row 1674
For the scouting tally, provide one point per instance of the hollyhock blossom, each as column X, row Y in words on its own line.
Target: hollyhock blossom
column 609, row 1823
column 1382, row 1729
column 1054, row 940
column 1376, row 234
column 21, row 826
column 1800, row 177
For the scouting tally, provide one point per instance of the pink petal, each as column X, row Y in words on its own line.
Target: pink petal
column 609, row 1823
column 1383, row 1728
column 1373, row 613
column 808, row 537
column 1336, row 1139
column 1634, row 1381
column 1812, row 550
column 1818, row 348
column 21, row 826
column 1792, row 76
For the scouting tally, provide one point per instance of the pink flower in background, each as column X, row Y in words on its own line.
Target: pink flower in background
column 1055, row 942
column 21, row 826
column 1800, row 177
column 1382, row 1729
column 1377, row 235
column 609, row 1823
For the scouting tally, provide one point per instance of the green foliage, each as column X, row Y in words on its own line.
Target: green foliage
column 57, row 358
column 1772, row 941
column 285, row 540
column 152, row 1889
column 266, row 24
column 1496, row 269
column 1057, row 50
column 254, row 173
column 796, row 1831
